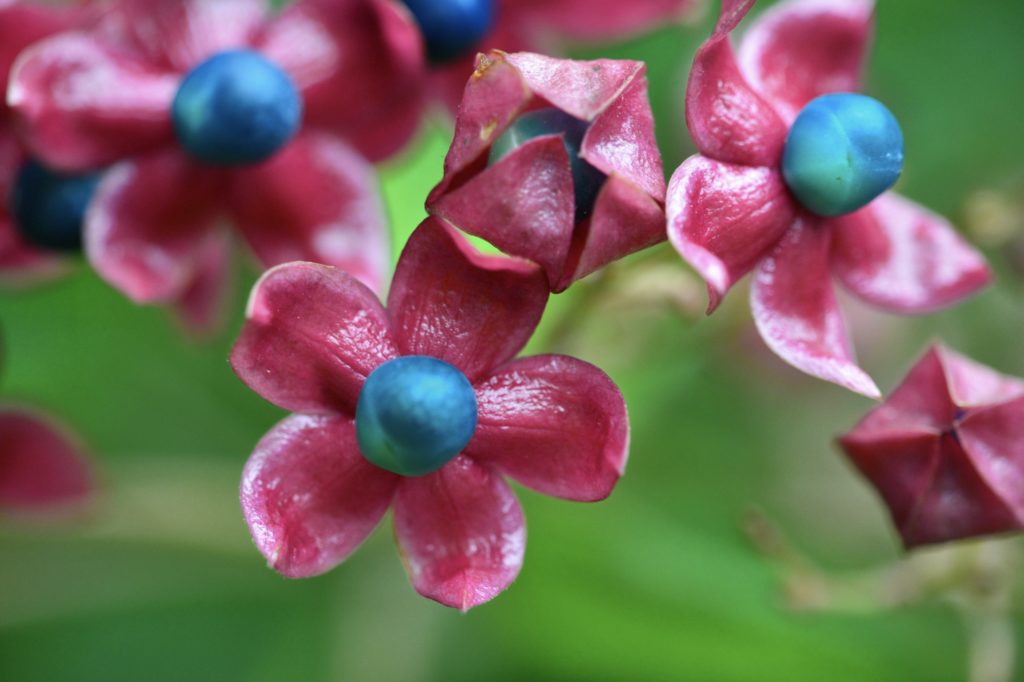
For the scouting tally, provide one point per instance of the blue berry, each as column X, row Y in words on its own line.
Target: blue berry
column 48, row 207
column 452, row 28
column 236, row 108
column 586, row 179
column 414, row 415
column 842, row 151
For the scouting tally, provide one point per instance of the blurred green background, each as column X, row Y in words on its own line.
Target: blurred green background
column 661, row 582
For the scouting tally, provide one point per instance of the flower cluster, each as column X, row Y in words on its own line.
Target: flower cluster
column 152, row 132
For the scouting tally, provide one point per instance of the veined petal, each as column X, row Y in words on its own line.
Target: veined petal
column 796, row 312
column 178, row 34
column 723, row 219
column 359, row 65
column 41, row 468
column 902, row 257
column 316, row 200
column 471, row 310
column 461, row 533
column 555, row 424
column 728, row 119
column 82, row 104
column 800, row 49
column 309, row 496
column 311, row 337
column 148, row 223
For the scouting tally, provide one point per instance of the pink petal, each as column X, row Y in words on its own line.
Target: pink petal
column 555, row 424
column 311, row 337
column 524, row 204
column 23, row 23
column 800, row 49
column 148, row 224
column 82, row 104
column 359, row 64
column 316, row 200
column 723, row 219
column 461, row 533
column 972, row 384
column 178, row 34
column 796, row 313
column 40, row 466
column 625, row 220
column 595, row 19
column 728, row 119
column 201, row 307
column 309, row 496
column 583, row 89
column 897, row 255
column 993, row 438
column 621, row 139
column 452, row 303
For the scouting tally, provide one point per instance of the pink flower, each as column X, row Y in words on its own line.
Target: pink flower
column 42, row 469
column 162, row 88
column 537, row 25
column 946, row 450
column 22, row 24
column 316, row 340
column 528, row 199
column 731, row 211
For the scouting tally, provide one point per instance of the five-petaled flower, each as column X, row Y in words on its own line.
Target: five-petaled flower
column 42, row 467
column 555, row 161
column 946, row 450
column 454, row 31
column 428, row 391
column 212, row 108
column 789, row 164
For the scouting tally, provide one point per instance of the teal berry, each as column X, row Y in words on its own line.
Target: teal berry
column 452, row 28
column 842, row 151
column 414, row 415
column 236, row 108
column 586, row 179
column 49, row 208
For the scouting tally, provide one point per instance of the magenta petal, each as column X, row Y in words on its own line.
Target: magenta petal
column 83, row 105
column 583, row 89
column 452, row 303
column 360, row 68
column 311, row 337
column 461, row 533
column 524, row 205
column 202, row 305
column 723, row 218
column 555, row 424
column 800, row 49
column 149, row 222
column 316, row 200
column 899, row 256
column 595, row 19
column 796, row 312
column 993, row 438
column 309, row 496
column 972, row 384
column 625, row 220
column 728, row 119
column 178, row 34
column 24, row 23
column 41, row 468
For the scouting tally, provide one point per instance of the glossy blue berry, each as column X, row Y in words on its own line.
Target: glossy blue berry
column 48, row 208
column 842, row 151
column 452, row 28
column 586, row 179
column 236, row 108
column 414, row 415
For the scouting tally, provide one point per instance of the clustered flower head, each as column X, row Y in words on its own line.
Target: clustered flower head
column 791, row 181
column 142, row 128
column 420, row 407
